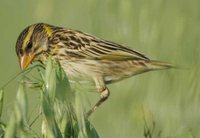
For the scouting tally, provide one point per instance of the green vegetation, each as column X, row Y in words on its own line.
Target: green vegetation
column 59, row 110
column 158, row 104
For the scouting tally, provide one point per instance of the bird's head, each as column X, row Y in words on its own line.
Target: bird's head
column 32, row 43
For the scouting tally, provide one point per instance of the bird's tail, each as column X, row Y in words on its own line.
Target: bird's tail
column 158, row 65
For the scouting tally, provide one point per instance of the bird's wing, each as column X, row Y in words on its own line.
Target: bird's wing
column 83, row 45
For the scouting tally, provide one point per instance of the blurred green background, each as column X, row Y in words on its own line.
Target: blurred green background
column 166, row 30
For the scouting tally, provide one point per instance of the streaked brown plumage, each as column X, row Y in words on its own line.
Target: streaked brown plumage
column 82, row 55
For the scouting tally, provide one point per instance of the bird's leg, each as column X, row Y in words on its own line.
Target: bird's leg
column 104, row 91
column 104, row 95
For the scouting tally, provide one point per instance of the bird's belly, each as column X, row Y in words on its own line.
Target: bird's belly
column 110, row 71
column 80, row 69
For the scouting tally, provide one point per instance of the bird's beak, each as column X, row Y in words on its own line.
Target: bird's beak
column 25, row 60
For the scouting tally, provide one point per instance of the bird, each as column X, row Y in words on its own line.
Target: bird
column 83, row 55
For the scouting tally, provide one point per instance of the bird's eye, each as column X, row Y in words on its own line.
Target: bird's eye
column 29, row 46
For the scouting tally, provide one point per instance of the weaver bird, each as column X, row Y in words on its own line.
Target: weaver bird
column 83, row 55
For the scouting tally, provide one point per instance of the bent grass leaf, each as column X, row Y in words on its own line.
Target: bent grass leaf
column 1, row 101
column 11, row 130
column 48, row 98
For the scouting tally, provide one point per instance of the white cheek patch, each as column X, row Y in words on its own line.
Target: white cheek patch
column 40, row 46
column 45, row 45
